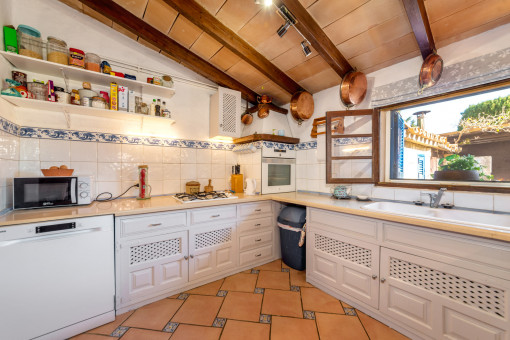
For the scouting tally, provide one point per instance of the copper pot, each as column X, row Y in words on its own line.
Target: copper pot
column 263, row 112
column 353, row 88
column 301, row 106
column 431, row 71
column 247, row 118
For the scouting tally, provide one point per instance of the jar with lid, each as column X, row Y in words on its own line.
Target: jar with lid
column 92, row 62
column 29, row 42
column 62, row 96
column 99, row 102
column 57, row 51
column 76, row 58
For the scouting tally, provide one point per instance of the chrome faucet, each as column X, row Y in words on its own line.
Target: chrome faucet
column 436, row 198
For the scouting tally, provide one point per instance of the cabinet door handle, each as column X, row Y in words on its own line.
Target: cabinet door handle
column 257, row 225
column 258, row 209
column 383, row 280
column 218, row 215
column 186, row 257
column 258, row 255
column 191, row 256
column 374, row 276
column 258, row 240
column 155, row 224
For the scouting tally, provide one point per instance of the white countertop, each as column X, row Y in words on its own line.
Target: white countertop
column 131, row 206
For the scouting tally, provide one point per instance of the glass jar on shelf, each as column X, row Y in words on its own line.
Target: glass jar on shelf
column 57, row 51
column 92, row 62
column 29, row 42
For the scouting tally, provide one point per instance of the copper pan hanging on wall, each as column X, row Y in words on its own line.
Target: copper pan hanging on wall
column 301, row 106
column 353, row 88
column 431, row 71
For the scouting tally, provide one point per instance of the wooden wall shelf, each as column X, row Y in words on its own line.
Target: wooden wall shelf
column 266, row 137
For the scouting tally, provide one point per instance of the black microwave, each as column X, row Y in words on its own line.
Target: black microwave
column 45, row 192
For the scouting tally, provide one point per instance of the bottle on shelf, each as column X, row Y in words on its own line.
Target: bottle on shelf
column 153, row 108
column 165, row 112
column 158, row 108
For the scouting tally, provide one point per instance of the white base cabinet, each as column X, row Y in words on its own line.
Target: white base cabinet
column 428, row 284
column 165, row 253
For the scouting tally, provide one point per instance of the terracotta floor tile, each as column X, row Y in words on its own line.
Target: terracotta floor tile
column 241, row 306
column 275, row 266
column 298, row 278
column 110, row 327
column 295, row 329
column 274, row 280
column 240, row 282
column 86, row 336
column 235, row 330
column 207, row 289
column 377, row 330
column 332, row 327
column 138, row 334
column 155, row 315
column 346, row 305
column 190, row 332
column 316, row 300
column 199, row 310
column 284, row 303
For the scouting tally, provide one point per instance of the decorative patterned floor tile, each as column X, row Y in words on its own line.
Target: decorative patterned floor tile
column 307, row 314
column 222, row 293
column 119, row 331
column 255, row 271
column 219, row 322
column 259, row 290
column 295, row 288
column 264, row 318
column 285, row 270
column 182, row 296
column 350, row 311
column 170, row 327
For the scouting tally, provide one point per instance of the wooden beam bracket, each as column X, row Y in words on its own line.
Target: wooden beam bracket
column 417, row 15
column 270, row 106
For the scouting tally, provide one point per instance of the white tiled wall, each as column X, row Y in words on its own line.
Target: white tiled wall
column 251, row 166
column 9, row 158
column 311, row 174
column 115, row 166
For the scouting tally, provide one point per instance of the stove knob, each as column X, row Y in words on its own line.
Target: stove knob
column 84, row 194
column 83, row 185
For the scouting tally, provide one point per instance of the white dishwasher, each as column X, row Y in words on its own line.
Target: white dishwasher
column 56, row 278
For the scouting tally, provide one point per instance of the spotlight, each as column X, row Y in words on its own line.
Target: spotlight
column 306, row 49
column 268, row 3
column 283, row 29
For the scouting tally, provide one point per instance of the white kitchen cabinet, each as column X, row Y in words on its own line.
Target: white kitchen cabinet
column 225, row 113
column 213, row 249
column 347, row 264
column 151, row 266
column 442, row 300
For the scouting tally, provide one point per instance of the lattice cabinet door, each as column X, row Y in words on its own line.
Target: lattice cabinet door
column 212, row 249
column 346, row 264
column 443, row 301
column 152, row 266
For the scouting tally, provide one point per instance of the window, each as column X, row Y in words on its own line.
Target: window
column 461, row 139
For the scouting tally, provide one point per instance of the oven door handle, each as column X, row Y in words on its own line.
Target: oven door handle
column 269, row 160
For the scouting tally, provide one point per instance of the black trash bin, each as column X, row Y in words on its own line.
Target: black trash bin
column 291, row 221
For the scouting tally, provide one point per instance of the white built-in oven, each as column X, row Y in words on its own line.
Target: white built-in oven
column 278, row 170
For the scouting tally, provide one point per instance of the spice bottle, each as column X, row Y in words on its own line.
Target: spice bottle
column 153, row 108
column 158, row 108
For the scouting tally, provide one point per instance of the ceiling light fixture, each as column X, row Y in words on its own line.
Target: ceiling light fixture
column 283, row 29
column 306, row 48
column 268, row 3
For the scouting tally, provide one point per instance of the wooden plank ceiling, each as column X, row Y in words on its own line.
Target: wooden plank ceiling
column 370, row 34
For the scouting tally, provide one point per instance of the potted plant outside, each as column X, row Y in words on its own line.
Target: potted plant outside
column 461, row 168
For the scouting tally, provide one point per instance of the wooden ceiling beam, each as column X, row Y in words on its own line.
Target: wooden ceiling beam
column 417, row 15
column 137, row 26
column 200, row 17
column 316, row 36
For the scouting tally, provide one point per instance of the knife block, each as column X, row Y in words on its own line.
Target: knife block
column 237, row 183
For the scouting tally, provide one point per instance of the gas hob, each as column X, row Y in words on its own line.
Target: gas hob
column 203, row 196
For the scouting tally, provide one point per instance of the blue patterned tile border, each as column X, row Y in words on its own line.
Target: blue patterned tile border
column 306, row 145
column 9, row 127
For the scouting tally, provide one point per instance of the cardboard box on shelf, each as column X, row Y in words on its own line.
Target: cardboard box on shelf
column 114, row 97
column 123, row 98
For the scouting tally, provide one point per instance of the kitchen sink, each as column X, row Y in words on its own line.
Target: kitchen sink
column 455, row 216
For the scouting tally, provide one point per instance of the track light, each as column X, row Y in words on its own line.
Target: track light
column 306, row 49
column 283, row 29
